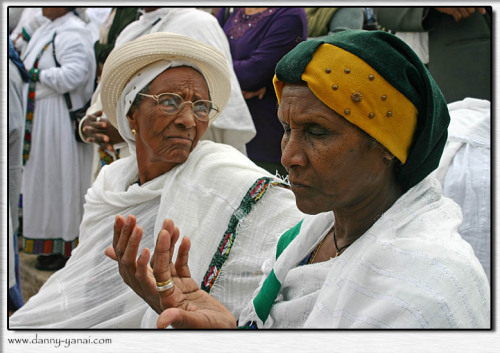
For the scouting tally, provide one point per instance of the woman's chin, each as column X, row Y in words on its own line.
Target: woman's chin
column 308, row 206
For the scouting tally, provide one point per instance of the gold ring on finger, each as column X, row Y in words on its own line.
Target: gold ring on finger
column 163, row 286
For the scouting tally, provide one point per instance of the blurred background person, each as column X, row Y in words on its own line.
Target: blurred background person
column 56, row 173
column 258, row 38
column 30, row 19
column 17, row 77
column 455, row 45
column 118, row 19
column 95, row 18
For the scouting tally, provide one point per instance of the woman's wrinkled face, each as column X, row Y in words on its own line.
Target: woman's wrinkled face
column 330, row 163
column 169, row 139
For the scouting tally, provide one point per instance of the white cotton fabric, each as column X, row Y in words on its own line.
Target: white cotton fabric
column 16, row 136
column 465, row 172
column 56, row 176
column 200, row 195
column 234, row 126
column 411, row 269
column 97, row 16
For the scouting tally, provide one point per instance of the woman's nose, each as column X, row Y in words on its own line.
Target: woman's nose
column 292, row 153
column 186, row 116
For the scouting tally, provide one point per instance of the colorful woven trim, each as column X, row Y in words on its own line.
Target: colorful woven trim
column 254, row 194
column 106, row 157
column 30, row 108
column 49, row 246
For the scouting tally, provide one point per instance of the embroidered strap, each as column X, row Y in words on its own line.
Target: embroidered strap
column 254, row 194
column 30, row 108
column 107, row 157
column 271, row 286
column 49, row 246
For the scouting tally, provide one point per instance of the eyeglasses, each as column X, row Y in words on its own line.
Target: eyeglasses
column 172, row 103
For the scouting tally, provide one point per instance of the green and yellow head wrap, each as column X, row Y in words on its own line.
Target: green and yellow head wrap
column 376, row 82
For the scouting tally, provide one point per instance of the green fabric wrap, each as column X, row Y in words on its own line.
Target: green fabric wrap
column 123, row 17
column 401, row 67
column 264, row 300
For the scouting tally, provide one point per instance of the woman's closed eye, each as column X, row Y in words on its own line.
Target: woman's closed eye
column 316, row 130
column 286, row 127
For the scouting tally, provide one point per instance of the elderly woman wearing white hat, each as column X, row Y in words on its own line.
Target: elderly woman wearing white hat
column 162, row 91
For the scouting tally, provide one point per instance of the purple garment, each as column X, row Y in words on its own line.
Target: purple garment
column 257, row 43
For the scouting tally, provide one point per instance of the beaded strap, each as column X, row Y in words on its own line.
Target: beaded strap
column 106, row 157
column 49, row 246
column 30, row 108
column 254, row 194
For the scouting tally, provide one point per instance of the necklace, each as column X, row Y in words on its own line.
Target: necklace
column 336, row 247
column 337, row 252
column 316, row 250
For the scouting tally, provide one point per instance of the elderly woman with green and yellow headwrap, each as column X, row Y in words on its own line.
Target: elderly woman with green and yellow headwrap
column 364, row 127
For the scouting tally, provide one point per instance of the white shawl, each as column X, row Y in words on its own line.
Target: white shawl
column 465, row 172
column 200, row 195
column 411, row 269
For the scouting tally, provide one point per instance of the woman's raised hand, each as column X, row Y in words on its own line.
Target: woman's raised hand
column 183, row 304
column 136, row 273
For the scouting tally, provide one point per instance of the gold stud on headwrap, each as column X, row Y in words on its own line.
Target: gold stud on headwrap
column 357, row 97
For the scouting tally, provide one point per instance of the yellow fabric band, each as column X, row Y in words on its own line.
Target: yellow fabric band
column 353, row 89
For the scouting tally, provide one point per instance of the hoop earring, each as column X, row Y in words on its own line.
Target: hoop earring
column 134, row 132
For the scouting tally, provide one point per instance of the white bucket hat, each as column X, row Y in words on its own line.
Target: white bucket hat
column 129, row 58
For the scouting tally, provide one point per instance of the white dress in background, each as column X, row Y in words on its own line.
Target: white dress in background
column 57, row 173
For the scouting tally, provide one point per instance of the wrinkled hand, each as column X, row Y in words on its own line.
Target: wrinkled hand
column 97, row 129
column 260, row 93
column 460, row 13
column 136, row 273
column 185, row 305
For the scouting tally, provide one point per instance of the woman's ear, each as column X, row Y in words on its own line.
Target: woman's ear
column 132, row 119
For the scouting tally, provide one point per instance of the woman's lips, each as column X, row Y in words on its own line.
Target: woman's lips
column 181, row 139
column 298, row 185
